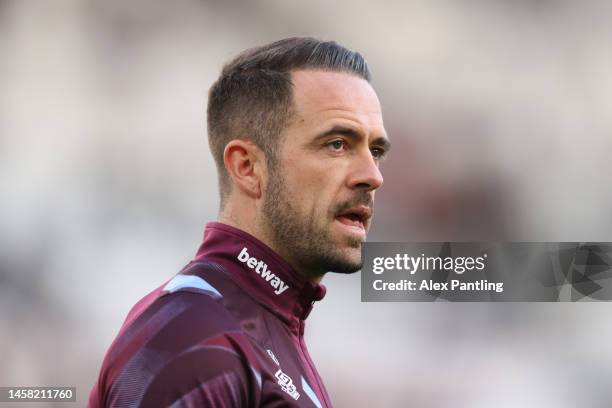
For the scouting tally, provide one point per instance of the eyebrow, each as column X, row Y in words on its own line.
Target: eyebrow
column 380, row 141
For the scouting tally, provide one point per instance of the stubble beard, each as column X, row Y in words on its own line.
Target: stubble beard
column 299, row 236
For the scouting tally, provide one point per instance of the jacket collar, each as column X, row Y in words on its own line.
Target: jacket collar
column 260, row 271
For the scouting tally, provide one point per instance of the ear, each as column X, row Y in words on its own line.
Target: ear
column 243, row 161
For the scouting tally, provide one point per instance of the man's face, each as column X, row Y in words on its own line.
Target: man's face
column 320, row 195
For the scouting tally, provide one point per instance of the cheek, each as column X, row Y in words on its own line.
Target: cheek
column 311, row 198
column 313, row 186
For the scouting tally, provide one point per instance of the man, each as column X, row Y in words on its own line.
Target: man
column 297, row 135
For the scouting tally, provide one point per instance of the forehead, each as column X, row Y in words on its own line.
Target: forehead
column 323, row 95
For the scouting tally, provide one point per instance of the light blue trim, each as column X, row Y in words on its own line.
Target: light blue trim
column 190, row 281
column 311, row 394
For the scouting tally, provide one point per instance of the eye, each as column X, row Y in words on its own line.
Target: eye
column 378, row 153
column 336, row 145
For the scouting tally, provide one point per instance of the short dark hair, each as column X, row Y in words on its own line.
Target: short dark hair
column 253, row 97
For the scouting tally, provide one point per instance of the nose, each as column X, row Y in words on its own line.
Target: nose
column 365, row 174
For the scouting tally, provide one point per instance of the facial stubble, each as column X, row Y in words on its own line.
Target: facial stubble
column 307, row 243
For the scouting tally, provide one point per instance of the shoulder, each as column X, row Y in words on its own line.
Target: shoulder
column 184, row 347
column 196, row 304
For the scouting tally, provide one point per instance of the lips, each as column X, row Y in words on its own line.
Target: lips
column 355, row 217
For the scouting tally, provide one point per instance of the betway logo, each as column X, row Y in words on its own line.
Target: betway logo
column 262, row 270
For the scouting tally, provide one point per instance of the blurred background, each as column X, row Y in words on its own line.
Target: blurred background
column 499, row 113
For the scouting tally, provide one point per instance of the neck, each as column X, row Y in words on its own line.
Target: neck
column 247, row 219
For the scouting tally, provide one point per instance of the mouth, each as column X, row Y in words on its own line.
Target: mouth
column 356, row 218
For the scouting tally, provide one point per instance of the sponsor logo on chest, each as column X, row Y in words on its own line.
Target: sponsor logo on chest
column 261, row 268
column 286, row 384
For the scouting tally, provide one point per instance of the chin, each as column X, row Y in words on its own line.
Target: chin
column 348, row 260
column 344, row 255
column 346, row 267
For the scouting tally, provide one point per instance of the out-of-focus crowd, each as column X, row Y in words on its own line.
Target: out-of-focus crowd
column 499, row 114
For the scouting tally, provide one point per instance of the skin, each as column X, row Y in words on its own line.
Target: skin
column 328, row 164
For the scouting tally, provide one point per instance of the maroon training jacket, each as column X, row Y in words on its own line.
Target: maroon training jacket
column 227, row 331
